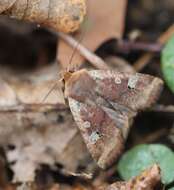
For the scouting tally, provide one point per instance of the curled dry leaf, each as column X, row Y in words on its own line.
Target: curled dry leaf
column 104, row 103
column 148, row 180
column 61, row 15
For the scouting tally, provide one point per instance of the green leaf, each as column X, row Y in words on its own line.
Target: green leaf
column 134, row 162
column 165, row 158
column 172, row 188
column 143, row 156
column 167, row 63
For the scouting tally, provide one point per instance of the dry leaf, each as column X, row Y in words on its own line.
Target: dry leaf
column 104, row 20
column 62, row 15
column 42, row 138
column 148, row 180
column 31, row 87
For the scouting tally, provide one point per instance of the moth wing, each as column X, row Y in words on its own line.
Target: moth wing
column 103, row 103
column 134, row 91
column 103, row 137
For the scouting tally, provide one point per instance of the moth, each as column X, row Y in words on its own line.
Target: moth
column 104, row 103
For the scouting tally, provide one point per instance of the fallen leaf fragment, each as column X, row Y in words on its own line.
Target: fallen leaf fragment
column 44, row 142
column 145, row 181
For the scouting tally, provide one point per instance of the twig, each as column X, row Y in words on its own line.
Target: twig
column 162, row 108
column 144, row 60
column 127, row 46
column 33, row 108
column 81, row 175
column 90, row 56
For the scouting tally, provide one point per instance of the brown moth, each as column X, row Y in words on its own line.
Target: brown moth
column 104, row 103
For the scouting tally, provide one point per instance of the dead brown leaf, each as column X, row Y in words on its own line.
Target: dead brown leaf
column 42, row 138
column 105, row 20
column 145, row 181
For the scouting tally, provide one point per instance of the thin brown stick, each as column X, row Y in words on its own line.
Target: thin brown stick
column 129, row 45
column 82, row 175
column 33, row 108
column 145, row 59
column 96, row 61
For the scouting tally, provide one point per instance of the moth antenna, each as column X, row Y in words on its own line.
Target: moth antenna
column 68, row 68
column 74, row 52
column 71, row 58
column 49, row 92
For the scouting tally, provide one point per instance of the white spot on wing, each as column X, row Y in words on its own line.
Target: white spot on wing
column 87, row 124
column 132, row 81
column 117, row 80
column 94, row 137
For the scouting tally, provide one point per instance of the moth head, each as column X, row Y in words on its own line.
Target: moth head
column 73, row 82
column 67, row 76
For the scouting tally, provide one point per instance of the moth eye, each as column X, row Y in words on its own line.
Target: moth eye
column 94, row 137
column 87, row 124
column 132, row 82
column 117, row 80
